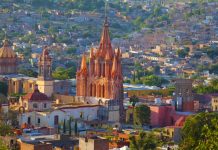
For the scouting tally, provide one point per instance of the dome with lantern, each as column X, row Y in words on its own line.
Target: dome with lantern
column 8, row 59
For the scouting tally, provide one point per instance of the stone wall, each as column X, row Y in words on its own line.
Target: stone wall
column 66, row 99
column 35, row 146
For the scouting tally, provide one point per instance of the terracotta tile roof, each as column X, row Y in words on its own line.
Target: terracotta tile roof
column 180, row 122
column 36, row 96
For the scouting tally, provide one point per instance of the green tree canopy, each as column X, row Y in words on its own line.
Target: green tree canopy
column 3, row 146
column 5, row 129
column 3, row 88
column 145, row 141
column 71, row 50
column 153, row 80
column 182, row 53
column 214, row 68
column 61, row 73
column 200, row 132
column 211, row 51
column 141, row 115
column 207, row 89
column 28, row 72
column 133, row 99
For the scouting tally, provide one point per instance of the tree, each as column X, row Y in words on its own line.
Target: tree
column 3, row 146
column 70, row 127
column 211, row 51
column 145, row 141
column 61, row 73
column 3, row 88
column 141, row 115
column 59, row 128
column 182, row 53
column 64, row 127
column 28, row 72
column 211, row 88
column 200, row 132
column 71, row 50
column 153, row 80
column 134, row 76
column 133, row 99
column 214, row 68
column 5, row 129
column 75, row 128
column 156, row 69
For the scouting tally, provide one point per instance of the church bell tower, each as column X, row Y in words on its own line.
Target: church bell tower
column 45, row 81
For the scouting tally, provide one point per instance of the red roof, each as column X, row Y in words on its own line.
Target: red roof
column 180, row 121
column 36, row 96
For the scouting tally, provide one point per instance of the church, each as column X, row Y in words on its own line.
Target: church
column 99, row 87
column 101, row 82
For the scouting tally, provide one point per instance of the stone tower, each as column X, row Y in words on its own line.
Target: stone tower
column 183, row 95
column 102, row 79
column 45, row 81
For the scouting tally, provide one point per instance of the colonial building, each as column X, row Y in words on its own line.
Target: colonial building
column 102, row 80
column 18, row 83
column 8, row 59
column 214, row 103
column 35, row 101
column 45, row 81
column 183, row 95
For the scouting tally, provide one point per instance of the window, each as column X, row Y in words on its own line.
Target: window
column 45, row 105
column 56, row 120
column 35, row 105
column 29, row 120
column 38, row 120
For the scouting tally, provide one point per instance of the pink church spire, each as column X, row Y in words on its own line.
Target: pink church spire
column 105, row 43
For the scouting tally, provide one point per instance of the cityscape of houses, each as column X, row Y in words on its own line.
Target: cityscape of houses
column 108, row 75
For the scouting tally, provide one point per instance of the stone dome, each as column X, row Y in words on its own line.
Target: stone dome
column 6, row 51
column 36, row 95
